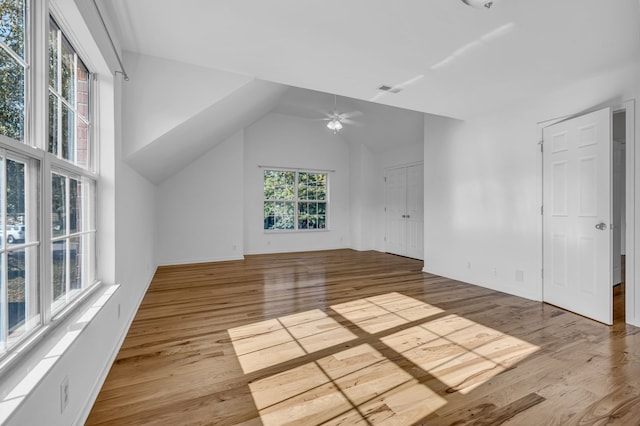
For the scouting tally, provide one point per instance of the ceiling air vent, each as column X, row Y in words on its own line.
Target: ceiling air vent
column 389, row 89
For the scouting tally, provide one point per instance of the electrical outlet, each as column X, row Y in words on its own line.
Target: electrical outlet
column 64, row 393
column 520, row 276
column 468, row 265
column 118, row 311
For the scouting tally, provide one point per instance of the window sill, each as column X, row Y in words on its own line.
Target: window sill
column 25, row 367
column 295, row 231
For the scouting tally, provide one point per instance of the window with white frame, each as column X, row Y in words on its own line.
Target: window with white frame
column 295, row 200
column 47, row 220
column 68, row 100
column 72, row 236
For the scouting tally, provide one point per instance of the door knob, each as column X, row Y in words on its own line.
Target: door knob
column 601, row 226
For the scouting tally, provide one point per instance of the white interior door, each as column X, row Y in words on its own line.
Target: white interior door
column 577, row 215
column 415, row 211
column 396, row 204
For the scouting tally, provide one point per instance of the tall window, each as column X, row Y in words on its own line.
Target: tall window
column 295, row 200
column 72, row 189
column 13, row 66
column 47, row 258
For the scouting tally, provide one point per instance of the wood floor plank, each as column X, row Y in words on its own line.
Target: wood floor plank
column 346, row 337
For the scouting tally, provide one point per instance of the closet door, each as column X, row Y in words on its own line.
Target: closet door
column 404, row 195
column 396, row 205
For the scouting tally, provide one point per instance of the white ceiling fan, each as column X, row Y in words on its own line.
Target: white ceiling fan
column 336, row 119
column 479, row 4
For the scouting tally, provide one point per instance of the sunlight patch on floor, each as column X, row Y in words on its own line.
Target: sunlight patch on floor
column 267, row 343
column 459, row 352
column 360, row 384
column 344, row 388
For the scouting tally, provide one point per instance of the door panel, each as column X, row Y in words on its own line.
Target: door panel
column 396, row 200
column 577, row 197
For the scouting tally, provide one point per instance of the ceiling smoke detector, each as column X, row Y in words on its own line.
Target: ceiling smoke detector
column 479, row 4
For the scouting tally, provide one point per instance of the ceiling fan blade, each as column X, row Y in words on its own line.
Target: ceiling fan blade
column 351, row 122
column 352, row 114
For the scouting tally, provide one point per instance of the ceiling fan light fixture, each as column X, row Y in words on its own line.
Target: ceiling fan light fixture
column 479, row 4
column 334, row 125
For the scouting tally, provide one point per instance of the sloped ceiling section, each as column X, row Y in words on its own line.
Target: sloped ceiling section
column 449, row 58
column 177, row 148
column 163, row 94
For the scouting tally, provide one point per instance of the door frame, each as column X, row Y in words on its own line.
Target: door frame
column 632, row 287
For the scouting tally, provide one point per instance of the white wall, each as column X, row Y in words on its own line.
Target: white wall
column 364, row 188
column 483, row 185
column 287, row 141
column 200, row 209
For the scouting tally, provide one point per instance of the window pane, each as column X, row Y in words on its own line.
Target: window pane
column 11, row 96
column 75, row 263
column 75, row 206
column 54, row 55
column 24, row 299
column 4, row 306
column 16, row 279
column 68, row 133
column 59, row 270
column 82, row 95
column 68, row 62
column 269, row 215
column 322, row 222
column 58, row 205
column 12, row 27
column 54, row 108
column 82, row 144
column 15, row 201
column 284, row 216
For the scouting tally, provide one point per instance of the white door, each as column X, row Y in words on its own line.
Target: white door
column 404, row 195
column 577, row 215
column 396, row 204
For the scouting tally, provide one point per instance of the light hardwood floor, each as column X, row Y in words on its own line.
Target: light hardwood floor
column 345, row 337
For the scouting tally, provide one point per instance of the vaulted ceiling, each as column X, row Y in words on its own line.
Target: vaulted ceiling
column 445, row 57
column 449, row 58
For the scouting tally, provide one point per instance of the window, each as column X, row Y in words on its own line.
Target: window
column 18, row 247
column 72, row 189
column 72, row 237
column 68, row 100
column 47, row 258
column 295, row 200
column 13, row 66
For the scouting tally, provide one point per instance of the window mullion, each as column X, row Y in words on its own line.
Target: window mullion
column 4, row 285
column 67, row 247
column 295, row 204
column 46, row 253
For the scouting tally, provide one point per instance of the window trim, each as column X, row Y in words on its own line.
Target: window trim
column 296, row 200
